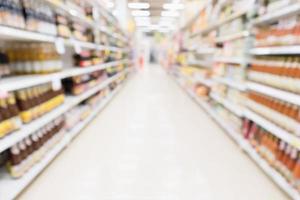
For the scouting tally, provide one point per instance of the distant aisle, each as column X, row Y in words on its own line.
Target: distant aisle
column 153, row 143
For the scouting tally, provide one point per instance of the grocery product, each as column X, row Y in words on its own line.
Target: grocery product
column 33, row 58
column 26, row 153
column 9, row 115
column 36, row 101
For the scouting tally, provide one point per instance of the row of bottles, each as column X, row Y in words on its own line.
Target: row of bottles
column 286, row 32
column 282, row 113
column 35, row 101
column 33, row 58
column 279, row 154
column 29, row 151
column 282, row 72
column 9, row 115
column 78, row 84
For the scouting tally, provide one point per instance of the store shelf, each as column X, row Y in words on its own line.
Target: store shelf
column 207, row 82
column 10, row 188
column 278, row 50
column 235, row 109
column 20, row 82
column 232, row 60
column 76, row 130
column 70, row 102
column 13, row 34
column 57, row 5
column 233, row 36
column 10, row 33
column 231, row 83
column 244, row 145
column 204, row 50
column 274, row 129
column 278, row 14
column 201, row 63
column 273, row 92
column 220, row 23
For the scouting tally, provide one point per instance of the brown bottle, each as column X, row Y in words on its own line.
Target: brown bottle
column 22, row 100
column 35, row 141
column 15, row 155
column 29, row 145
column 12, row 105
column 5, row 113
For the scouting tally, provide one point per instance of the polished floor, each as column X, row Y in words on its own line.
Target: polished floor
column 152, row 142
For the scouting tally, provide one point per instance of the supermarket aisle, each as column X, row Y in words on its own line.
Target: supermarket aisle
column 153, row 143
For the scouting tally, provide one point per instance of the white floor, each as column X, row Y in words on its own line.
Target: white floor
column 152, row 143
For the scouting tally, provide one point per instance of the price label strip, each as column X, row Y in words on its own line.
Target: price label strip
column 60, row 46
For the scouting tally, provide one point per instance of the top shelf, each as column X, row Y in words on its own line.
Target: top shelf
column 13, row 34
column 278, row 14
column 220, row 23
column 20, row 82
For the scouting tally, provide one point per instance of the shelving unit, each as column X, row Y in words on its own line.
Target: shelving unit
column 70, row 102
column 212, row 36
column 246, row 147
column 10, row 188
column 115, row 68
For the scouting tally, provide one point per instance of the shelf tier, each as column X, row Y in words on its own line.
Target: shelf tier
column 274, row 129
column 277, row 50
column 233, row 36
column 245, row 146
column 204, row 81
column 232, row 60
column 220, row 23
column 79, row 16
column 201, row 63
column 235, row 109
column 273, row 92
column 15, row 34
column 20, row 82
column 10, row 188
column 278, row 14
column 231, row 83
column 69, row 103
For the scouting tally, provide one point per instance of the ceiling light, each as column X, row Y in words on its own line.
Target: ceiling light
column 169, row 14
column 173, row 6
column 110, row 4
column 164, row 30
column 142, row 13
column 142, row 19
column 138, row 5
column 143, row 23
column 165, row 23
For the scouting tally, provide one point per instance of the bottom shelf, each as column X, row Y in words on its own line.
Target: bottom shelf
column 10, row 188
column 272, row 173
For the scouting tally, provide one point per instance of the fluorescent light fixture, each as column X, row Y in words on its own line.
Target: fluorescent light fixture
column 173, row 6
column 169, row 14
column 110, row 4
column 141, row 13
column 167, row 19
column 143, row 23
column 164, row 30
column 141, row 19
column 138, row 5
